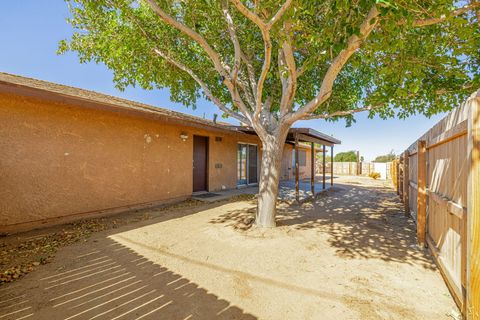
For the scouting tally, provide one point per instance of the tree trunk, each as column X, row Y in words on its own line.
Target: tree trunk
column 272, row 150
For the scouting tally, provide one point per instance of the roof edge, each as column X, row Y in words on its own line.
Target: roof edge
column 101, row 98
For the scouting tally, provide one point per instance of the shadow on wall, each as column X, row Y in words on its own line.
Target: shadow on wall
column 111, row 282
column 362, row 223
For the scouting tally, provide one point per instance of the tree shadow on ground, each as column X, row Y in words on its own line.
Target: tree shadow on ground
column 99, row 278
column 102, row 279
column 361, row 222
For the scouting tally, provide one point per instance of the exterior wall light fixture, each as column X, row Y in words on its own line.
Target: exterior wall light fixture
column 184, row 136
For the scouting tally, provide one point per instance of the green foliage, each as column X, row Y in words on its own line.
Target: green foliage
column 348, row 156
column 408, row 69
column 386, row 158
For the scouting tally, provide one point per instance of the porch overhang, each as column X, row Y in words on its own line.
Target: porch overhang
column 311, row 136
column 302, row 134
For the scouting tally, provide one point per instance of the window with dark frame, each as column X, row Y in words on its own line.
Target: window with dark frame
column 247, row 164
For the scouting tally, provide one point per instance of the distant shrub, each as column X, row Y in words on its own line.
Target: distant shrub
column 386, row 157
column 349, row 156
column 374, row 175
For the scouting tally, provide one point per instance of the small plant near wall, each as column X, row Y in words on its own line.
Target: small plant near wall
column 374, row 175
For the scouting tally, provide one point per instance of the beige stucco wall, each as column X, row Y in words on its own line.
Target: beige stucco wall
column 61, row 160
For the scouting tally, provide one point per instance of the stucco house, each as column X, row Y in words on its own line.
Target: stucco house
column 68, row 153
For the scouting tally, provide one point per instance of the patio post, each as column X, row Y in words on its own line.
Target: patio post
column 324, row 171
column 331, row 161
column 312, row 176
column 297, row 184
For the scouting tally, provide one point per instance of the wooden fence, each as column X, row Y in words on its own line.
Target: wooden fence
column 351, row 168
column 439, row 182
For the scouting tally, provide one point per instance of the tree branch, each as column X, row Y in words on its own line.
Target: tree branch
column 249, row 14
column 259, row 21
column 279, row 14
column 454, row 13
column 343, row 113
column 301, row 70
column 265, row 30
column 263, row 75
column 181, row 66
column 287, row 59
column 245, row 88
column 250, row 71
column 234, row 74
column 202, row 84
column 378, row 106
column 353, row 43
column 477, row 12
column 236, row 43
column 214, row 56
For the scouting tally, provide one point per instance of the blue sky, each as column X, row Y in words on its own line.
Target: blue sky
column 30, row 31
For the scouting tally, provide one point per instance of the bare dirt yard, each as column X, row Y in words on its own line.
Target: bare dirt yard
column 351, row 254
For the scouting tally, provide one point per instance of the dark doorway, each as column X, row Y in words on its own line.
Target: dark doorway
column 200, row 163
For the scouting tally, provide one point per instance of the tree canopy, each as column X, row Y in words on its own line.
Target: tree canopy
column 297, row 59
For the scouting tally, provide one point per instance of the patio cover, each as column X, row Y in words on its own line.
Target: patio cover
column 311, row 137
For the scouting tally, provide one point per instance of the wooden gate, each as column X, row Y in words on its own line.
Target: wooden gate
column 439, row 178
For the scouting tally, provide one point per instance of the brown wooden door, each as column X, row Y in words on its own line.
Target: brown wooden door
column 200, row 162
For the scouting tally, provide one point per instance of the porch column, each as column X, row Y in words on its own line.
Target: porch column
column 312, row 176
column 331, row 171
column 359, row 166
column 324, row 171
column 297, row 184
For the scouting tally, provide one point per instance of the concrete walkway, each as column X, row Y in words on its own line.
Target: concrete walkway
column 286, row 192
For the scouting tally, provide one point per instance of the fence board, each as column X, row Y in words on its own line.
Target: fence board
column 473, row 211
column 447, row 164
column 350, row 168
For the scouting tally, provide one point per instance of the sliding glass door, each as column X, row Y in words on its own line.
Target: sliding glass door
column 242, row 164
column 247, row 164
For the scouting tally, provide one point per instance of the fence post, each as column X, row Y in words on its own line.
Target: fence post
column 297, row 183
column 331, row 163
column 406, row 183
column 397, row 170
column 422, row 191
column 401, row 177
column 324, row 165
column 473, row 211
column 358, row 164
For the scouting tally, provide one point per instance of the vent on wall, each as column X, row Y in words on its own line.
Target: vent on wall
column 218, row 139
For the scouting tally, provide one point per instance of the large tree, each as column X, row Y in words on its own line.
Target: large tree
column 269, row 63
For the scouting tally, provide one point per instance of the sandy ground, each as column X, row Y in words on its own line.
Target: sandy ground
column 349, row 255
